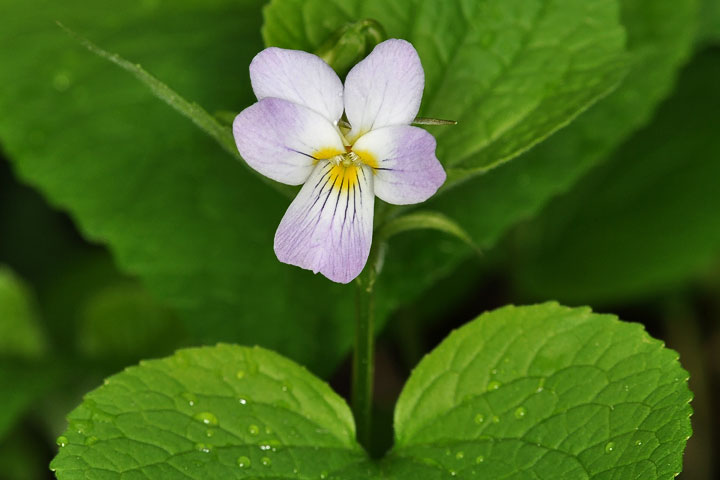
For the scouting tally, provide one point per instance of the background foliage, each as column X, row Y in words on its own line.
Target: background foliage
column 586, row 147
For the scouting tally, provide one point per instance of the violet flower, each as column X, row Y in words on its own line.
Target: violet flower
column 294, row 135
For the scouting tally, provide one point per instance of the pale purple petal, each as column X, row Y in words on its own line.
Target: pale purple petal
column 405, row 166
column 328, row 227
column 385, row 88
column 283, row 140
column 299, row 77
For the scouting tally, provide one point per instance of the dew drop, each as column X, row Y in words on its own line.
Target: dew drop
column 520, row 412
column 265, row 446
column 496, row 419
column 189, row 398
column 81, row 426
column 89, row 441
column 479, row 418
column 61, row 441
column 494, row 385
column 479, row 459
column 207, row 418
column 243, row 401
column 609, row 447
column 210, row 432
column 638, row 443
column 203, row 447
column 253, row 429
column 266, row 461
column 460, row 455
column 453, row 473
column 243, row 462
column 323, row 475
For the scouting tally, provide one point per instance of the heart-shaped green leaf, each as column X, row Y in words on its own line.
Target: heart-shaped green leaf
column 544, row 392
column 213, row 412
column 530, row 392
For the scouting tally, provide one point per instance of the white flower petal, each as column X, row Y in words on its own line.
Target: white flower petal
column 385, row 88
column 283, row 140
column 328, row 227
column 404, row 163
column 299, row 77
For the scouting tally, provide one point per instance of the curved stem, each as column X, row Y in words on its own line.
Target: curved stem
column 364, row 354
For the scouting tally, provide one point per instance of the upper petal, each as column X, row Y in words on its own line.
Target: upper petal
column 299, row 77
column 328, row 227
column 283, row 140
column 404, row 163
column 385, row 88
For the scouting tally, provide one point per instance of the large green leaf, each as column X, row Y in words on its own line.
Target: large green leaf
column 214, row 412
column 544, row 392
column 648, row 219
column 660, row 36
column 174, row 208
column 510, row 72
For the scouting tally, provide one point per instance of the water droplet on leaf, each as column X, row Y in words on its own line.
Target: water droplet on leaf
column 243, row 462
column 609, row 447
column 189, row 398
column 203, row 447
column 494, row 385
column 479, row 418
column 207, row 418
column 520, row 412
column 253, row 429
column 61, row 441
column 479, row 459
column 266, row 461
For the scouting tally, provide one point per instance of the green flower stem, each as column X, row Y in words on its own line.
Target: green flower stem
column 364, row 354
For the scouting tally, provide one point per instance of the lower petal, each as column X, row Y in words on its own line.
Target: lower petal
column 328, row 227
column 404, row 163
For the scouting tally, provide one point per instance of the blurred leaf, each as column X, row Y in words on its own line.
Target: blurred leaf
column 544, row 392
column 510, row 72
column 648, row 219
column 660, row 36
column 215, row 412
column 709, row 22
column 24, row 377
column 23, row 382
column 174, row 208
column 20, row 333
column 123, row 323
